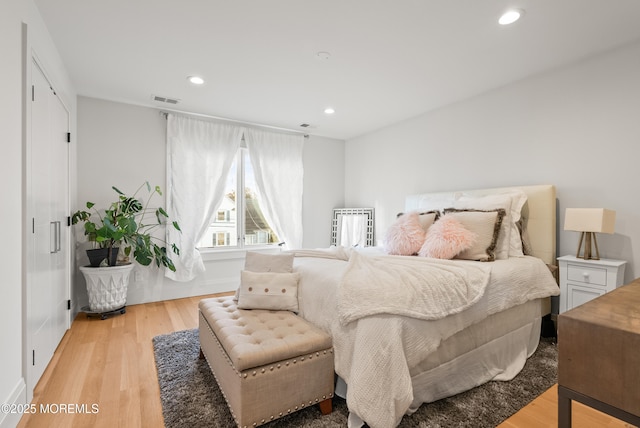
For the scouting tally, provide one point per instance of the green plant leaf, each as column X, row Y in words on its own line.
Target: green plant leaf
column 89, row 227
column 124, row 222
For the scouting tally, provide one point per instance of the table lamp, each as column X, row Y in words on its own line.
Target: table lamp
column 589, row 221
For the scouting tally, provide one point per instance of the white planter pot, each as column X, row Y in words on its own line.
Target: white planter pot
column 107, row 286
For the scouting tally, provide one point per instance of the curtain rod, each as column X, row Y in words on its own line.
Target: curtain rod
column 166, row 111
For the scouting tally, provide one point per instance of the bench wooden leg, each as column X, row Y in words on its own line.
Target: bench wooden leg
column 326, row 406
column 201, row 356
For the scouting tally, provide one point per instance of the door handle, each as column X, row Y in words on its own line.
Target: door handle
column 54, row 237
column 58, row 237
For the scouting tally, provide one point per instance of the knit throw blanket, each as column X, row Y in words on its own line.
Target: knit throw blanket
column 415, row 287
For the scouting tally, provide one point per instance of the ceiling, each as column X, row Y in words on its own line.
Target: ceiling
column 389, row 59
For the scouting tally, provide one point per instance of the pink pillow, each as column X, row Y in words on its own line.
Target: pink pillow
column 405, row 236
column 446, row 238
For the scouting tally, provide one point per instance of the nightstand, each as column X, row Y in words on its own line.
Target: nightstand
column 583, row 280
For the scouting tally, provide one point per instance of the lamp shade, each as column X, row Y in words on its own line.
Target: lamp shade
column 598, row 220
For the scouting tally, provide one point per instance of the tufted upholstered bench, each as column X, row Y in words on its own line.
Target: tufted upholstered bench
column 267, row 363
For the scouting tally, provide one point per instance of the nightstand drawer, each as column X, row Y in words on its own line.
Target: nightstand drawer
column 587, row 275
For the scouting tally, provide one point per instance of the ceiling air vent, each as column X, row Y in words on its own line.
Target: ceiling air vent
column 164, row 99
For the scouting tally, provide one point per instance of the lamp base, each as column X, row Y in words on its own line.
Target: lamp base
column 590, row 242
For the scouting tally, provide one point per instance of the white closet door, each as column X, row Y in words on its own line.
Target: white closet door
column 48, row 247
column 60, row 268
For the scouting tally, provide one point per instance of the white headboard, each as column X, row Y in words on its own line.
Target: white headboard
column 539, row 213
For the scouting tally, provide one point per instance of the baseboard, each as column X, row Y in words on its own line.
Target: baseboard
column 141, row 293
column 16, row 399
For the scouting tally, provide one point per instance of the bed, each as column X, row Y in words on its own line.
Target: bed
column 393, row 353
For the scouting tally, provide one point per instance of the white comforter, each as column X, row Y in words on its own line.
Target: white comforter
column 375, row 353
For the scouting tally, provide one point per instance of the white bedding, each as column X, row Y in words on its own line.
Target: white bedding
column 377, row 354
column 415, row 287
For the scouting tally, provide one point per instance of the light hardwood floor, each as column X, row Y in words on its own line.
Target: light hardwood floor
column 110, row 363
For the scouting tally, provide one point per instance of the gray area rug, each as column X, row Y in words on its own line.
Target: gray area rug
column 191, row 398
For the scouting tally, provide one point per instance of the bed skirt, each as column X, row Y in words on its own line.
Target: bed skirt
column 493, row 349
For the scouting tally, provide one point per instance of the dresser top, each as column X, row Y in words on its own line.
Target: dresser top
column 618, row 309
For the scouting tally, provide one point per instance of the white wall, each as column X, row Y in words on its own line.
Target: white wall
column 11, row 379
column 577, row 128
column 323, row 188
column 13, row 13
column 124, row 145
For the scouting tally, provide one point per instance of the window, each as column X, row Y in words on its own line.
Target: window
column 224, row 215
column 239, row 221
column 222, row 239
column 211, row 148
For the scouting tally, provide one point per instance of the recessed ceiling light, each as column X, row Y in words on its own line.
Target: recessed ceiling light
column 510, row 16
column 196, row 80
column 323, row 55
column 329, row 110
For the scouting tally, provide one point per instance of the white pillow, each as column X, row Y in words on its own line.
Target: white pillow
column 433, row 201
column 519, row 199
column 268, row 290
column 261, row 262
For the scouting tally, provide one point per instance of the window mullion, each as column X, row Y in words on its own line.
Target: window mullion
column 240, row 202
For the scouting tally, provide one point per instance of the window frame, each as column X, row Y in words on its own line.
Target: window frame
column 241, row 247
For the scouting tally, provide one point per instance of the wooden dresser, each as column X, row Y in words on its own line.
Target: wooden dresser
column 599, row 355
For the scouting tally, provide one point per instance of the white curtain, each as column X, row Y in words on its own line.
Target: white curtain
column 199, row 157
column 277, row 164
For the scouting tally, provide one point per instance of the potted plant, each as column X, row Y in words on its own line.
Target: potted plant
column 128, row 222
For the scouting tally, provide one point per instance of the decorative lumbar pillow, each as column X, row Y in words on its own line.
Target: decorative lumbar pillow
column 405, row 236
column 486, row 225
column 261, row 262
column 268, row 290
column 447, row 238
